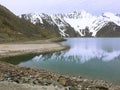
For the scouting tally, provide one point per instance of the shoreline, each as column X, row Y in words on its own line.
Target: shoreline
column 11, row 50
column 22, row 77
column 13, row 75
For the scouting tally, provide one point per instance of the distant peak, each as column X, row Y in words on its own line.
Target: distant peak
column 111, row 16
column 108, row 14
column 75, row 15
column 79, row 12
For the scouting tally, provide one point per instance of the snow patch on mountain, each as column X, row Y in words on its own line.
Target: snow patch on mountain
column 80, row 20
column 112, row 17
column 33, row 17
column 61, row 24
column 48, row 18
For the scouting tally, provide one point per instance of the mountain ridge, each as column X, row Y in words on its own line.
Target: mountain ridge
column 82, row 23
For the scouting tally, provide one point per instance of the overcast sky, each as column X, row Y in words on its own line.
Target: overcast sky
column 61, row 6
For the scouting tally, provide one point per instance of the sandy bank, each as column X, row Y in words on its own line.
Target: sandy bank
column 7, row 50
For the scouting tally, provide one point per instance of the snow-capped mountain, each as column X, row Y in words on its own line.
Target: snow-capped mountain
column 79, row 23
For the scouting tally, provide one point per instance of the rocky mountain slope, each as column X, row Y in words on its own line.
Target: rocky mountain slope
column 12, row 28
column 79, row 23
column 52, row 23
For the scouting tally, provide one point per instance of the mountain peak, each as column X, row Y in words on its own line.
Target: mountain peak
column 112, row 17
column 109, row 15
column 78, row 14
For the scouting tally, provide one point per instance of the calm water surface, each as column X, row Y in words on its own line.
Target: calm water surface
column 96, row 58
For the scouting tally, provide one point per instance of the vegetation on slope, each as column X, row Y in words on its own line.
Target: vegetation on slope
column 110, row 30
column 12, row 28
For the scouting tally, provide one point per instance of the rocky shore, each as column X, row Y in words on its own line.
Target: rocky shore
column 21, row 75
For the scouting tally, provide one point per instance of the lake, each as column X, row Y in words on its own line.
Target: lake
column 94, row 58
